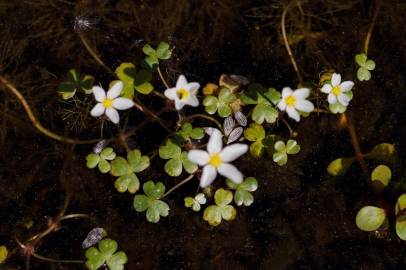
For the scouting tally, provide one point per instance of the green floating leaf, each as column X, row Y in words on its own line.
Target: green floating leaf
column 339, row 166
column 382, row 152
column 101, row 160
column 282, row 151
column 3, row 254
column 255, row 133
column 242, row 195
column 220, row 104
column 187, row 132
column 106, row 253
column 264, row 112
column 177, row 159
column 196, row 202
column 153, row 56
column 401, row 217
column 213, row 214
column 126, row 169
column 370, row 218
column 363, row 73
column 140, row 81
column 381, row 174
column 76, row 82
column 150, row 202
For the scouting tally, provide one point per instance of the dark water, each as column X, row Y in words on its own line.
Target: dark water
column 301, row 218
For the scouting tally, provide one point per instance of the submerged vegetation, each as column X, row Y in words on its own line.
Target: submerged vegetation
column 256, row 156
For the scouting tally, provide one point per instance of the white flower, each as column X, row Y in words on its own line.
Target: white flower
column 184, row 93
column 292, row 101
column 336, row 90
column 110, row 103
column 217, row 159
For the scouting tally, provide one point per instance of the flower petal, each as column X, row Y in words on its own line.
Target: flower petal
column 208, row 176
column 115, row 90
column 346, row 86
column 232, row 152
column 171, row 93
column 112, row 114
column 343, row 99
column 282, row 105
column 193, row 87
column 231, row 172
column 215, row 143
column 122, row 103
column 181, row 82
column 301, row 93
column 99, row 93
column 192, row 101
column 286, row 91
column 97, row 110
column 293, row 113
column 326, row 88
column 335, row 79
column 332, row 98
column 304, row 106
column 179, row 104
column 199, row 157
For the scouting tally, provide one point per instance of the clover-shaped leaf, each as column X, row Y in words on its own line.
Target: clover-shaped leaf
column 105, row 254
column 282, row 151
column 242, row 195
column 370, row 218
column 3, row 254
column 126, row 169
column 133, row 79
column 153, row 56
column 188, row 132
column 220, row 104
column 264, row 101
column 366, row 65
column 150, row 202
column 255, row 133
column 76, row 82
column 101, row 160
column 222, row 210
column 177, row 159
column 339, row 166
column 196, row 202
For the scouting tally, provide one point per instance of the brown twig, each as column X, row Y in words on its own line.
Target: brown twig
column 371, row 26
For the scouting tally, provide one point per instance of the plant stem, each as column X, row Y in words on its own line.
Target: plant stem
column 286, row 42
column 198, row 115
column 291, row 132
column 92, row 52
column 54, row 260
column 145, row 110
column 184, row 181
column 35, row 121
column 371, row 26
column 162, row 78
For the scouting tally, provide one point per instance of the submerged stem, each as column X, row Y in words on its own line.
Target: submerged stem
column 286, row 42
column 371, row 26
column 35, row 121
column 162, row 78
column 199, row 115
column 184, row 181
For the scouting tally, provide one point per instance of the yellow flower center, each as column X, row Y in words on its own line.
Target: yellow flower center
column 215, row 160
column 107, row 103
column 336, row 90
column 182, row 94
column 290, row 101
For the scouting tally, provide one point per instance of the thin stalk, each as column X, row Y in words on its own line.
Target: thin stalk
column 92, row 52
column 145, row 110
column 371, row 26
column 184, row 181
column 286, row 42
column 54, row 260
column 291, row 132
column 198, row 115
column 162, row 78
column 35, row 121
